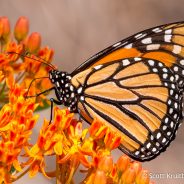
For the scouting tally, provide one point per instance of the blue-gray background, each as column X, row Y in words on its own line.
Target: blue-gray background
column 77, row 29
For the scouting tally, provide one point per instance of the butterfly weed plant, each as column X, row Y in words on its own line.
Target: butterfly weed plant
column 63, row 138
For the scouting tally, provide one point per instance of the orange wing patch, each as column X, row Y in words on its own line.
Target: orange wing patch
column 149, row 80
column 80, row 77
column 151, row 121
column 179, row 30
column 158, row 108
column 163, row 57
column 84, row 114
column 110, row 90
column 126, row 141
column 160, row 93
column 118, row 54
column 102, row 74
column 131, row 125
column 178, row 39
column 135, row 69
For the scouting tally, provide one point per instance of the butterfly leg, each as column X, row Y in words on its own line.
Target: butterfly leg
column 52, row 100
column 80, row 117
column 50, row 89
column 32, row 83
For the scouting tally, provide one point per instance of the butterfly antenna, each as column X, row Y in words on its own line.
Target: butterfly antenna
column 31, row 85
column 43, row 60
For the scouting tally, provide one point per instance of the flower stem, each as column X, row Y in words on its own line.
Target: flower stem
column 22, row 174
column 51, row 174
column 62, row 172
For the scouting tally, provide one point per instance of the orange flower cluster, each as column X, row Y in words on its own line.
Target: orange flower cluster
column 91, row 147
column 64, row 138
column 16, row 124
column 17, row 59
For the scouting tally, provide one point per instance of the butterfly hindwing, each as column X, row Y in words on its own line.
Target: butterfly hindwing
column 138, row 98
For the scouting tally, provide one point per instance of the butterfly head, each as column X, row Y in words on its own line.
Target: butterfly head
column 55, row 75
column 65, row 91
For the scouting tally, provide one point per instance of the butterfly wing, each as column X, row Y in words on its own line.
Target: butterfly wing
column 163, row 43
column 135, row 87
column 139, row 99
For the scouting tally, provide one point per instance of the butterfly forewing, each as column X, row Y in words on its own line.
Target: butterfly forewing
column 163, row 43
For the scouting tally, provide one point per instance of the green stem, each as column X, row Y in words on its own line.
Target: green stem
column 22, row 174
column 3, row 87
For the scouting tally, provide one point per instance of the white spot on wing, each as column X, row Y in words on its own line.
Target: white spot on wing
column 165, row 70
column 72, row 95
column 182, row 62
column 57, row 83
column 155, row 70
column 98, row 67
column 124, row 43
column 164, row 127
column 117, row 44
column 147, row 40
column 148, row 145
column 82, row 98
column 158, row 135
column 167, row 38
column 164, row 140
column 125, row 62
column 138, row 35
column 169, row 31
column 79, row 90
column 137, row 59
column 168, row 133
column 129, row 46
column 154, row 149
column 153, row 47
column 176, row 49
column 172, row 78
column 175, row 68
column 156, row 30
column 151, row 62
column 160, row 64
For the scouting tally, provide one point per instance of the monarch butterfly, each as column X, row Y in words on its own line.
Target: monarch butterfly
column 134, row 86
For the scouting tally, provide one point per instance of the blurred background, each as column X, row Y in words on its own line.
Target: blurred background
column 77, row 29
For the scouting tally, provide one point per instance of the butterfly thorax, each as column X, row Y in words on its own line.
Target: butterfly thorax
column 65, row 91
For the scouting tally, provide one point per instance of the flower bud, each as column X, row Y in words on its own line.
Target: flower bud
column 137, row 166
column 4, row 28
column 128, row 176
column 97, row 129
column 34, row 42
column 112, row 140
column 123, row 163
column 100, row 177
column 21, row 29
column 106, row 163
column 1, row 28
column 143, row 177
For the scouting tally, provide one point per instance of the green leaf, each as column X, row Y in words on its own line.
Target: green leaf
column 12, row 170
column 45, row 106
